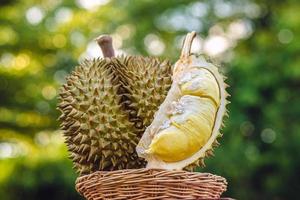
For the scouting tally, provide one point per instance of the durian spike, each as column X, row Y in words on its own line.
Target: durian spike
column 188, row 121
column 105, row 43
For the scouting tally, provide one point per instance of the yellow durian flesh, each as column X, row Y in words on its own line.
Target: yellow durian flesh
column 202, row 83
column 187, row 132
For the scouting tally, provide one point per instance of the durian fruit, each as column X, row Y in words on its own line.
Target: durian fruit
column 186, row 126
column 102, row 117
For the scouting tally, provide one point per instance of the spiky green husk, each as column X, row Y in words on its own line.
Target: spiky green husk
column 148, row 81
column 101, row 119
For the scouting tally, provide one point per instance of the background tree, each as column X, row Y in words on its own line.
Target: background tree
column 255, row 42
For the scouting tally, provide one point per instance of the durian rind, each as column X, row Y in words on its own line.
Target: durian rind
column 148, row 80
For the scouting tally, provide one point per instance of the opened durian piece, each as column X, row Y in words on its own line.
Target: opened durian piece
column 187, row 124
column 106, row 104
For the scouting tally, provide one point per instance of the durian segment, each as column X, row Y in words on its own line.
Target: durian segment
column 187, row 63
column 96, row 125
column 187, row 131
column 202, row 83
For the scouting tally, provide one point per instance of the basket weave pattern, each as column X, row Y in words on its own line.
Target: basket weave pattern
column 149, row 184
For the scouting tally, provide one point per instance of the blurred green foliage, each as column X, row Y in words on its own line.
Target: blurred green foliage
column 256, row 43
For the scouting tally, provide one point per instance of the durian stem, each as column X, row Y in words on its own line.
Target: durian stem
column 105, row 43
column 185, row 53
column 187, row 44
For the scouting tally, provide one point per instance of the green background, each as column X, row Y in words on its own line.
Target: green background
column 256, row 44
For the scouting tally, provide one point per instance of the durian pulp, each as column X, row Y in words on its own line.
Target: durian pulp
column 192, row 118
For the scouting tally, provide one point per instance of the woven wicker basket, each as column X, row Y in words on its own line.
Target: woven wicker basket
column 149, row 184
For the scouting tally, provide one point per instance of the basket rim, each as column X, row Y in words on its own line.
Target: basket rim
column 85, row 176
column 156, row 183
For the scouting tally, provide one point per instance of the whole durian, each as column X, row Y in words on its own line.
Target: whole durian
column 186, row 126
column 106, row 104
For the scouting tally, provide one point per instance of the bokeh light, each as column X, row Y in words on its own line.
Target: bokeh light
column 268, row 135
column 49, row 92
column 215, row 45
column 154, row 44
column 34, row 15
column 91, row 4
column 285, row 36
